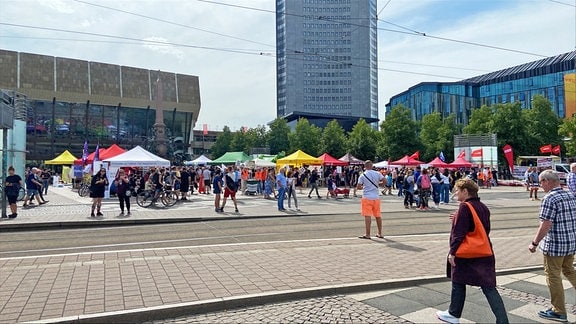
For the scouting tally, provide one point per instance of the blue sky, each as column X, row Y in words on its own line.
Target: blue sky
column 239, row 90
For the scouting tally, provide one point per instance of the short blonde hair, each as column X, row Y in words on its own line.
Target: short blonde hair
column 469, row 185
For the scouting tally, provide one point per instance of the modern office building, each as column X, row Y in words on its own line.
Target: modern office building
column 326, row 52
column 552, row 77
column 65, row 102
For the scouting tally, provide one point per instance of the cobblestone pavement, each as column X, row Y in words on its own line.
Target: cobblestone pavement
column 523, row 294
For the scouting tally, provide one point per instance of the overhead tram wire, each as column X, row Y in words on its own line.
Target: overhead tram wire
column 408, row 32
column 563, row 3
column 239, row 38
column 236, row 51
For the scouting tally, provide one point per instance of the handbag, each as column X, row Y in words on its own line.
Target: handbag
column 128, row 193
column 476, row 243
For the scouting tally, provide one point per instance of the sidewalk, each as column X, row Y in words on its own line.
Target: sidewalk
column 67, row 209
column 147, row 284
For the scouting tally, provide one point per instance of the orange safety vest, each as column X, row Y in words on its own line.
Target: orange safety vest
column 244, row 175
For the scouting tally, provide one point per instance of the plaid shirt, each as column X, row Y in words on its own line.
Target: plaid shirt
column 571, row 182
column 559, row 207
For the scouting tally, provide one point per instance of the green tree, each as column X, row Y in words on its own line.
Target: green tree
column 568, row 130
column 541, row 123
column 399, row 134
column 278, row 136
column 306, row 137
column 241, row 142
column 437, row 136
column 222, row 144
column 333, row 139
column 362, row 141
column 480, row 121
column 510, row 127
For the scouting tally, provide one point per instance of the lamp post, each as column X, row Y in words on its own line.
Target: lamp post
column 159, row 126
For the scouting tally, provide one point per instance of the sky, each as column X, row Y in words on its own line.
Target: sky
column 229, row 44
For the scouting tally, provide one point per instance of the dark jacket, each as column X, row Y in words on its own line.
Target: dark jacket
column 476, row 271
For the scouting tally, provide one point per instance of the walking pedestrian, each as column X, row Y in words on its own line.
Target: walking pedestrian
column 476, row 271
column 124, row 189
column 97, row 189
column 184, row 183
column 281, row 183
column 409, row 190
column 533, row 183
column 13, row 183
column 230, row 188
column 45, row 177
column 571, row 179
column 369, row 183
column 556, row 238
column 206, row 174
column 424, row 185
column 313, row 183
column 291, row 187
column 217, row 190
column 32, row 187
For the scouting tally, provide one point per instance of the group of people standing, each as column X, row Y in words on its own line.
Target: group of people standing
column 36, row 181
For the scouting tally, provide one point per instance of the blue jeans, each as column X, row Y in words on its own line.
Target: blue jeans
column 281, row 192
column 400, row 187
column 436, row 192
column 445, row 193
column 458, row 298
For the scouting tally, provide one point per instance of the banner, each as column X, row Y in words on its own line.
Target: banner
column 476, row 153
column 85, row 152
column 546, row 149
column 442, row 157
column 205, row 129
column 509, row 156
column 556, row 150
column 415, row 156
column 461, row 155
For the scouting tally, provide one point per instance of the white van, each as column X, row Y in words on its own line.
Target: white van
column 562, row 169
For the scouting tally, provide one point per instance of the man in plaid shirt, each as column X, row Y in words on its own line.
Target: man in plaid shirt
column 571, row 179
column 557, row 232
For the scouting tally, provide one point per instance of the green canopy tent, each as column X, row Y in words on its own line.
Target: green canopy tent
column 231, row 158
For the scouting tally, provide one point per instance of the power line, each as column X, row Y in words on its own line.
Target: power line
column 563, row 3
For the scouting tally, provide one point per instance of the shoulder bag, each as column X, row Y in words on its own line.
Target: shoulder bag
column 476, row 243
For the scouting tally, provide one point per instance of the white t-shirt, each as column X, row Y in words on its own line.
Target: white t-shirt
column 370, row 191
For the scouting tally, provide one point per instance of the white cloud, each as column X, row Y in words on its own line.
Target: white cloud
column 154, row 43
column 58, row 5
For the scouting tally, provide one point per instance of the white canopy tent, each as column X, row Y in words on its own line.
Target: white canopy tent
column 381, row 165
column 263, row 163
column 201, row 160
column 137, row 157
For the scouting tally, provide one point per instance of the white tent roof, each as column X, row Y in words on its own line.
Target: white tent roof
column 137, row 157
column 381, row 165
column 199, row 160
column 261, row 163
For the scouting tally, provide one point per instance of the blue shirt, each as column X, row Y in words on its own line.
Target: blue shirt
column 571, row 182
column 280, row 181
column 215, row 187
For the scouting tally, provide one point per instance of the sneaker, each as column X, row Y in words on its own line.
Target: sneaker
column 552, row 315
column 236, row 210
column 99, row 214
column 12, row 216
column 445, row 316
column 129, row 214
column 121, row 214
column 92, row 215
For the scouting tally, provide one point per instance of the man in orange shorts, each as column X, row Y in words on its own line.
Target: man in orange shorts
column 369, row 182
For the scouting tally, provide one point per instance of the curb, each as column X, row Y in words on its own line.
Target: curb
column 163, row 312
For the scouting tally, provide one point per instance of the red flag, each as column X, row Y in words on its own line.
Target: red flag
column 546, row 149
column 416, row 155
column 508, row 153
column 556, row 150
column 205, row 129
column 461, row 155
column 476, row 153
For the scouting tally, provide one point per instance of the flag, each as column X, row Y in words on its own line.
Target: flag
column 546, row 149
column 476, row 153
column 509, row 154
column 556, row 150
column 416, row 155
column 461, row 155
column 97, row 153
column 442, row 157
column 244, row 129
column 85, row 152
column 205, row 129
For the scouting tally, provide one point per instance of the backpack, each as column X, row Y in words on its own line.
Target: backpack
column 425, row 181
column 230, row 183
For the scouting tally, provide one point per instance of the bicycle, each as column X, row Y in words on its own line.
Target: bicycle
column 147, row 198
column 84, row 190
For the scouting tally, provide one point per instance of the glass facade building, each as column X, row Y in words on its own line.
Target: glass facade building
column 552, row 77
column 67, row 102
column 326, row 53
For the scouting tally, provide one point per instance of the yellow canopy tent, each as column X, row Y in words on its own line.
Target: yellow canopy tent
column 298, row 159
column 66, row 158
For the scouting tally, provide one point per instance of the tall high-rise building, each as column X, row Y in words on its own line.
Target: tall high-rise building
column 327, row 61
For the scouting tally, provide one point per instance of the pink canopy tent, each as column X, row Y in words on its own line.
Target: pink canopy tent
column 437, row 163
column 460, row 163
column 328, row 159
column 406, row 160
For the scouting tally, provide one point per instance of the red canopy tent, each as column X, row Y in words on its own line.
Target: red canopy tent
column 111, row 152
column 406, row 160
column 460, row 163
column 437, row 163
column 351, row 159
column 328, row 159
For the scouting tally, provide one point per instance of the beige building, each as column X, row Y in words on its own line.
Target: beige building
column 69, row 101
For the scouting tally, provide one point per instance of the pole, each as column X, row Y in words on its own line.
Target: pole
column 4, row 158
